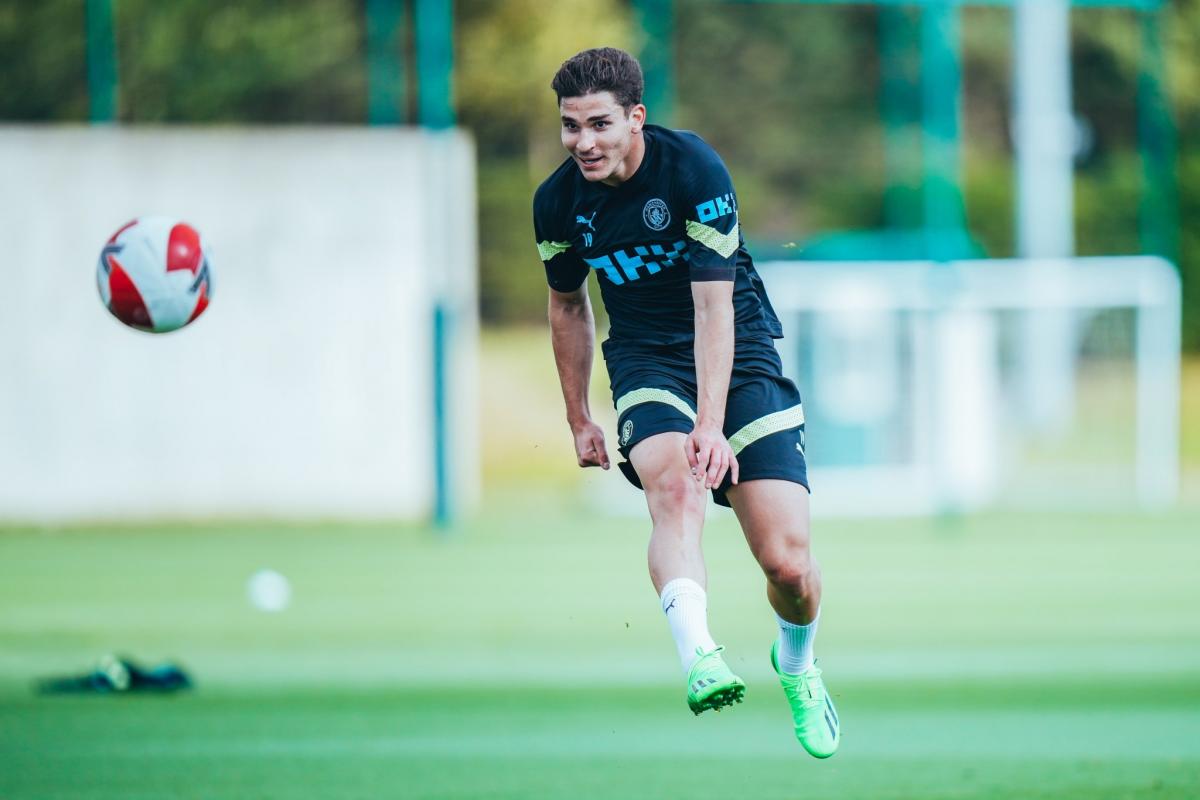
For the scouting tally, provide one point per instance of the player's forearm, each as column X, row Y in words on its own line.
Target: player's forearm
column 714, row 359
column 573, row 333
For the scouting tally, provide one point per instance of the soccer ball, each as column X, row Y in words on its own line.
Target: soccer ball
column 269, row 591
column 154, row 274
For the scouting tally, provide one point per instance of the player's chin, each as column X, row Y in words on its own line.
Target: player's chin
column 595, row 177
column 594, row 172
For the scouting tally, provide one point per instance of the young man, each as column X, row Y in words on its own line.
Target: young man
column 697, row 383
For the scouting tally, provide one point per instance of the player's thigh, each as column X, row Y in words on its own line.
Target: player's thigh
column 661, row 464
column 764, row 421
column 651, row 399
column 652, row 403
column 774, row 516
column 659, row 456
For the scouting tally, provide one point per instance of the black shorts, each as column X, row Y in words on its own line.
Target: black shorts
column 654, row 391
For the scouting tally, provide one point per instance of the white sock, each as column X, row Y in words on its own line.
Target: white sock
column 796, row 645
column 686, row 605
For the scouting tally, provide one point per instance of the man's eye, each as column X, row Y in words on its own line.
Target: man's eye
column 601, row 125
column 569, row 126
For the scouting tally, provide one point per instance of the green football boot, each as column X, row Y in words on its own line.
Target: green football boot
column 816, row 720
column 711, row 684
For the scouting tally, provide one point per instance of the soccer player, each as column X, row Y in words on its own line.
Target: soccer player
column 701, row 400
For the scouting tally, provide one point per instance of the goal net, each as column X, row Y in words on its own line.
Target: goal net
column 941, row 387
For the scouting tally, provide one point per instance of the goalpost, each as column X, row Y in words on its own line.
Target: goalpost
column 912, row 376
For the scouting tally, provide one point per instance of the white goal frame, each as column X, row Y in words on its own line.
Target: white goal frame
column 954, row 365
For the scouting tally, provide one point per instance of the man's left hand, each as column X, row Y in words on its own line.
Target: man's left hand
column 710, row 456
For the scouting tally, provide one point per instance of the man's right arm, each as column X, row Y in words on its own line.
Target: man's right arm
column 573, row 334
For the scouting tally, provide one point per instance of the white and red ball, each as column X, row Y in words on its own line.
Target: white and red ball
column 154, row 274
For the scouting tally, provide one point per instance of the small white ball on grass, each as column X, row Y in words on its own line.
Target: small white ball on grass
column 269, row 591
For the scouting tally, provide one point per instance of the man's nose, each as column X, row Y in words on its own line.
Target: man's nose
column 586, row 140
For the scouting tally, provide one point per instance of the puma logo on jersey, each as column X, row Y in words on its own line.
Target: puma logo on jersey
column 581, row 220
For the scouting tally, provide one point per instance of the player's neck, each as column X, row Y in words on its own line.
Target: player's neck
column 629, row 165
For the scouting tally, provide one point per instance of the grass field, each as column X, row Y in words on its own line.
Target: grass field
column 523, row 656
column 1002, row 656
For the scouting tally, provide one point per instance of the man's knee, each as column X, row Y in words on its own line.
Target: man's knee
column 790, row 568
column 674, row 492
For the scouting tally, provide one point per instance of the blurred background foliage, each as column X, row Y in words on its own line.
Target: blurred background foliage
column 796, row 114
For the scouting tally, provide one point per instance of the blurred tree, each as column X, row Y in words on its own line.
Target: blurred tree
column 507, row 54
column 43, row 61
column 190, row 61
column 241, row 61
column 1183, row 69
column 788, row 96
column 788, row 93
column 1107, row 51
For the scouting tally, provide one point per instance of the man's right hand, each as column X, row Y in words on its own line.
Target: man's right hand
column 589, row 445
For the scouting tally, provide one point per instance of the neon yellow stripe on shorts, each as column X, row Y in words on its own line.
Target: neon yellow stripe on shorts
column 764, row 426
column 638, row 396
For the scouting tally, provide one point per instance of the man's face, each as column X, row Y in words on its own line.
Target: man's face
column 599, row 135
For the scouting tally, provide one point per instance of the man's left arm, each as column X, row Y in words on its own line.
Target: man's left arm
column 709, row 206
column 708, row 451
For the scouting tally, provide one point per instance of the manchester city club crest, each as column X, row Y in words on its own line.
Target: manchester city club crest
column 656, row 215
column 626, row 432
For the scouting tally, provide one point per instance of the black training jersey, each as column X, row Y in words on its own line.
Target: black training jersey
column 674, row 222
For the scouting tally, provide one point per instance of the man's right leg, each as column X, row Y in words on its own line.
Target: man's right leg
column 677, row 501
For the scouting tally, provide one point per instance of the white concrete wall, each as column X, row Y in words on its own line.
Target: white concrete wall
column 304, row 390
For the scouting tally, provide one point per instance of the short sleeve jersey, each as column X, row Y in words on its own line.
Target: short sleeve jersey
column 674, row 222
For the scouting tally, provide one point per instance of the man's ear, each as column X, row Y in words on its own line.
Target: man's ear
column 637, row 116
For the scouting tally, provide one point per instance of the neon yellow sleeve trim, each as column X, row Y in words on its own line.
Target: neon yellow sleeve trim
column 548, row 250
column 723, row 244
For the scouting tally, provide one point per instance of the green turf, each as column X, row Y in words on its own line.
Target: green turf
column 473, row 742
column 1006, row 656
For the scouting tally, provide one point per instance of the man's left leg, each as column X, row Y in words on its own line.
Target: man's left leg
column 774, row 515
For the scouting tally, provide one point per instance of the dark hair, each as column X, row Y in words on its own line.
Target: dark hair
column 603, row 69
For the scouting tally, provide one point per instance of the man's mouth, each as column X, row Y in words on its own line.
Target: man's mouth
column 590, row 162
